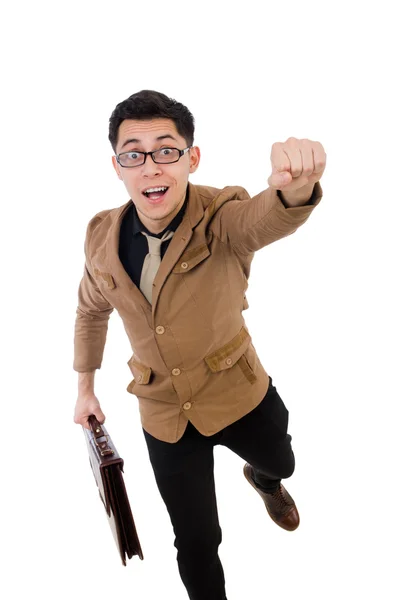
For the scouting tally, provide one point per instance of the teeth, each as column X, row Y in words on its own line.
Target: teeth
column 157, row 189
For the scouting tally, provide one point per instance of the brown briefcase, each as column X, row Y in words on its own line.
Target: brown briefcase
column 107, row 467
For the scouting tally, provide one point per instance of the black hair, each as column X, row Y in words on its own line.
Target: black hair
column 146, row 105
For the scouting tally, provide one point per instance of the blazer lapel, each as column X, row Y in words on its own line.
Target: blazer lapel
column 179, row 241
column 111, row 256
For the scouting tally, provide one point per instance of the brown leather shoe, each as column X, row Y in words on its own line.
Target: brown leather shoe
column 280, row 505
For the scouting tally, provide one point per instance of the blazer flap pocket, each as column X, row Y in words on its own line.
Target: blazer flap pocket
column 227, row 356
column 140, row 372
column 191, row 258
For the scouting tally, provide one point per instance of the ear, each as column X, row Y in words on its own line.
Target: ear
column 116, row 167
column 194, row 156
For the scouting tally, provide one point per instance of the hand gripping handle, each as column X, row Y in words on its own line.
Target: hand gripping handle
column 98, row 432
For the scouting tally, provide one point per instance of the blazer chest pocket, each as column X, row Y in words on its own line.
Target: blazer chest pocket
column 142, row 374
column 235, row 352
column 192, row 258
column 105, row 279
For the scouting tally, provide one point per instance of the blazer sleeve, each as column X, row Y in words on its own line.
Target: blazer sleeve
column 91, row 324
column 249, row 224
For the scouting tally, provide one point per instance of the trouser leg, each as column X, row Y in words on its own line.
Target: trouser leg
column 261, row 439
column 184, row 474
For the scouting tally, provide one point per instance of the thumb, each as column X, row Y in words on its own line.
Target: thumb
column 278, row 180
column 99, row 415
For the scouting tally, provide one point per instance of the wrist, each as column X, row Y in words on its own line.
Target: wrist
column 298, row 197
column 86, row 383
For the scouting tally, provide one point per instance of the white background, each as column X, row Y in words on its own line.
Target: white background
column 322, row 302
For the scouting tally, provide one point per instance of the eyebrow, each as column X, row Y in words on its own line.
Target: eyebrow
column 160, row 137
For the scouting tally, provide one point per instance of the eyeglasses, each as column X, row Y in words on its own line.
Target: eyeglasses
column 162, row 156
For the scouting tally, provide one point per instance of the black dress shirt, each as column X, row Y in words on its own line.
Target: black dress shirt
column 133, row 246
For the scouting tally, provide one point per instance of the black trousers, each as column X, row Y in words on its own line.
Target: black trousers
column 184, row 474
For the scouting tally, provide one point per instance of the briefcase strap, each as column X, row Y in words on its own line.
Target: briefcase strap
column 98, row 432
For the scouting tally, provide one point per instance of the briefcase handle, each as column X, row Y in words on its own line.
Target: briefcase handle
column 98, row 432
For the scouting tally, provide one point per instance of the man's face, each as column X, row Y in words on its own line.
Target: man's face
column 145, row 136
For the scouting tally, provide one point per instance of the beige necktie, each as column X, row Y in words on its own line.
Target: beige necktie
column 151, row 263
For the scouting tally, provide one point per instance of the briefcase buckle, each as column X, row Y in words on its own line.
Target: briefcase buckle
column 103, row 446
column 106, row 452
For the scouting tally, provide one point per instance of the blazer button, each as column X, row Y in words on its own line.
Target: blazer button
column 187, row 405
column 160, row 329
column 229, row 361
column 176, row 371
column 184, row 265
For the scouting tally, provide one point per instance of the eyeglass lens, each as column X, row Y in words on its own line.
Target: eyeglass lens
column 134, row 159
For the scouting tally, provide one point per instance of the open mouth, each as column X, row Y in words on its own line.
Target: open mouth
column 156, row 194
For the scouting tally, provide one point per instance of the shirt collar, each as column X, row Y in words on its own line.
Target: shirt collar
column 138, row 226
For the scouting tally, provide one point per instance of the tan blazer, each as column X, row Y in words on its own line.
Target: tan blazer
column 193, row 357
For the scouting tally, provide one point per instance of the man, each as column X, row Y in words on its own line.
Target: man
column 174, row 261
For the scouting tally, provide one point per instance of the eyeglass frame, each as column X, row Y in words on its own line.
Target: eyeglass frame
column 145, row 154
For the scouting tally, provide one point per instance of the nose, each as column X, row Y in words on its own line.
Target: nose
column 150, row 168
